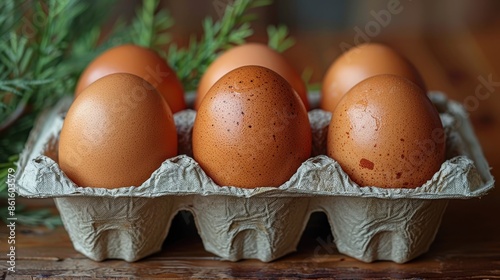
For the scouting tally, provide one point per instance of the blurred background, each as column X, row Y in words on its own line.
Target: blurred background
column 453, row 43
column 459, row 35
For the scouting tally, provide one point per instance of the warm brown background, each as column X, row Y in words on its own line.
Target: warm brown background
column 452, row 43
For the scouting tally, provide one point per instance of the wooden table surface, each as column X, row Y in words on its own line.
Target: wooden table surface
column 466, row 246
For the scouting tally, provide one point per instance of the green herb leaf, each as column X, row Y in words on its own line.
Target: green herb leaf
column 232, row 29
column 149, row 26
column 46, row 44
column 278, row 38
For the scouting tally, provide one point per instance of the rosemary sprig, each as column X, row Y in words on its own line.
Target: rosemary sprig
column 4, row 173
column 10, row 16
column 36, row 69
column 278, row 38
column 12, row 140
column 40, row 60
column 150, row 27
column 33, row 217
column 232, row 29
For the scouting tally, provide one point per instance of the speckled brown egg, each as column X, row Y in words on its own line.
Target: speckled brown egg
column 116, row 133
column 359, row 63
column 251, row 130
column 139, row 61
column 251, row 54
column 386, row 133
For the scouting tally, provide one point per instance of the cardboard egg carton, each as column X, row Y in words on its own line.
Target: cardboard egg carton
column 368, row 223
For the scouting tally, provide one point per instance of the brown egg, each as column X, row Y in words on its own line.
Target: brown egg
column 360, row 63
column 116, row 133
column 386, row 133
column 139, row 61
column 251, row 130
column 251, row 54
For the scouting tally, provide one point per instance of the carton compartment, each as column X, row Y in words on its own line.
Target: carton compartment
column 381, row 229
column 116, row 228
column 367, row 223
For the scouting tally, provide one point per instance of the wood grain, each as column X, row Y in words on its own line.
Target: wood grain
column 459, row 251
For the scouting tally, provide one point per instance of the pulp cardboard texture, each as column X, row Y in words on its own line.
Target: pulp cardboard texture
column 368, row 223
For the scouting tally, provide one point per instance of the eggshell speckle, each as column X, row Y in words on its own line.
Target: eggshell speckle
column 251, row 54
column 386, row 133
column 359, row 63
column 251, row 130
column 116, row 133
column 139, row 61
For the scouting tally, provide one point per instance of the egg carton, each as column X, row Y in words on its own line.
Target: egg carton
column 368, row 223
